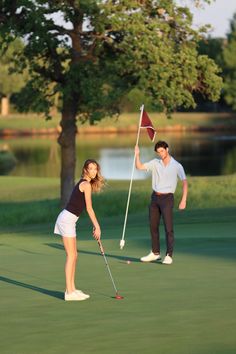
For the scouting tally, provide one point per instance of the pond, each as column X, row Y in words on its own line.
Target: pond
column 202, row 154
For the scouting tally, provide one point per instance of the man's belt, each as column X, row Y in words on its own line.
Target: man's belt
column 158, row 193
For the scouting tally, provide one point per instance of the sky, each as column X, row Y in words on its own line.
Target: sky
column 218, row 14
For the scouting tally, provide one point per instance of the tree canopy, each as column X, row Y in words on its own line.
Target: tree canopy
column 120, row 43
column 15, row 82
column 10, row 81
column 229, row 56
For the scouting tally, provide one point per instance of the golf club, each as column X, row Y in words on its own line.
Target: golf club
column 117, row 296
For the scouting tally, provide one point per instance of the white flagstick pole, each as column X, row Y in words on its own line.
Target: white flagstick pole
column 122, row 241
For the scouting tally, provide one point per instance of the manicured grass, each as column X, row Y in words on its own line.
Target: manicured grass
column 186, row 308
column 24, row 189
column 126, row 120
column 27, row 121
column 188, row 120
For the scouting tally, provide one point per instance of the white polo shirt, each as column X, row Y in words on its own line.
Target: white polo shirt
column 165, row 178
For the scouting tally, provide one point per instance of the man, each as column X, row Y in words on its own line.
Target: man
column 165, row 173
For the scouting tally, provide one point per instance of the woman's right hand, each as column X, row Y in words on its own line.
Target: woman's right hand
column 97, row 233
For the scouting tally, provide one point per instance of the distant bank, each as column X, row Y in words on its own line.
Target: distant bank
column 31, row 124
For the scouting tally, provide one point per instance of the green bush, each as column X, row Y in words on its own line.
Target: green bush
column 7, row 162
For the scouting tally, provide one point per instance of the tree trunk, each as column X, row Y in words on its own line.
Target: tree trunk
column 68, row 152
column 4, row 106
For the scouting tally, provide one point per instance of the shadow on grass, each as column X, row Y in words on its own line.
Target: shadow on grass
column 120, row 258
column 56, row 294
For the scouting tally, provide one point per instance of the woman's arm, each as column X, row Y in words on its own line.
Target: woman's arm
column 86, row 188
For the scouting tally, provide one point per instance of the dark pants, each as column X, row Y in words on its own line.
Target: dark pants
column 161, row 205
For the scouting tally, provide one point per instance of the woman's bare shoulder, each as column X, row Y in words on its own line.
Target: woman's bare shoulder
column 84, row 185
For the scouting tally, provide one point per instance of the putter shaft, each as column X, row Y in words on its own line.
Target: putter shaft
column 109, row 271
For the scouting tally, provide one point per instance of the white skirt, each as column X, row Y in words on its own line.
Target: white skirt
column 66, row 224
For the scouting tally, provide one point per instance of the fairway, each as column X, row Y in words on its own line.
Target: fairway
column 186, row 308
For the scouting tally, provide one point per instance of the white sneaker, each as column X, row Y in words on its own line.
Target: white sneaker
column 75, row 296
column 167, row 260
column 82, row 293
column 151, row 257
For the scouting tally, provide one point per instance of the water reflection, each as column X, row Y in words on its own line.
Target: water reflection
column 201, row 154
column 118, row 164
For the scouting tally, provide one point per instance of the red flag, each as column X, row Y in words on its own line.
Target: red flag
column 146, row 123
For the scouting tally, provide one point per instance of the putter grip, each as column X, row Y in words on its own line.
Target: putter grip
column 100, row 246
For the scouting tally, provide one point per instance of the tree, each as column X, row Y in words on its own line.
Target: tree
column 10, row 82
column 213, row 48
column 229, row 55
column 93, row 52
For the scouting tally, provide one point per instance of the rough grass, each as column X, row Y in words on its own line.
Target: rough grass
column 25, row 200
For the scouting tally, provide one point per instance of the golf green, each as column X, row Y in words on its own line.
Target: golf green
column 186, row 308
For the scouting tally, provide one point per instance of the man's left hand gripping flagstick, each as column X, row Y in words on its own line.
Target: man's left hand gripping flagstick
column 144, row 122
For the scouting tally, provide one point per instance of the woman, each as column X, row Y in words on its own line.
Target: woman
column 91, row 181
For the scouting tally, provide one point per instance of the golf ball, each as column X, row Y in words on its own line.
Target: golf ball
column 128, row 262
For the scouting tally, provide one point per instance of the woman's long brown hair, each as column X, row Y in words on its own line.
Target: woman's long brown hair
column 98, row 182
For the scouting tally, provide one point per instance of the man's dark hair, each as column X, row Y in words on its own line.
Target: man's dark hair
column 161, row 144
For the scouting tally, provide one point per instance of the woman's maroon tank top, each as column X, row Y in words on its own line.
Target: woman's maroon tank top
column 76, row 202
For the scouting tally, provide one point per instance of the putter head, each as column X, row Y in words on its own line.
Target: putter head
column 122, row 243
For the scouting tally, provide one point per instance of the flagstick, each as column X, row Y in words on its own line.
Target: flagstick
column 122, row 241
